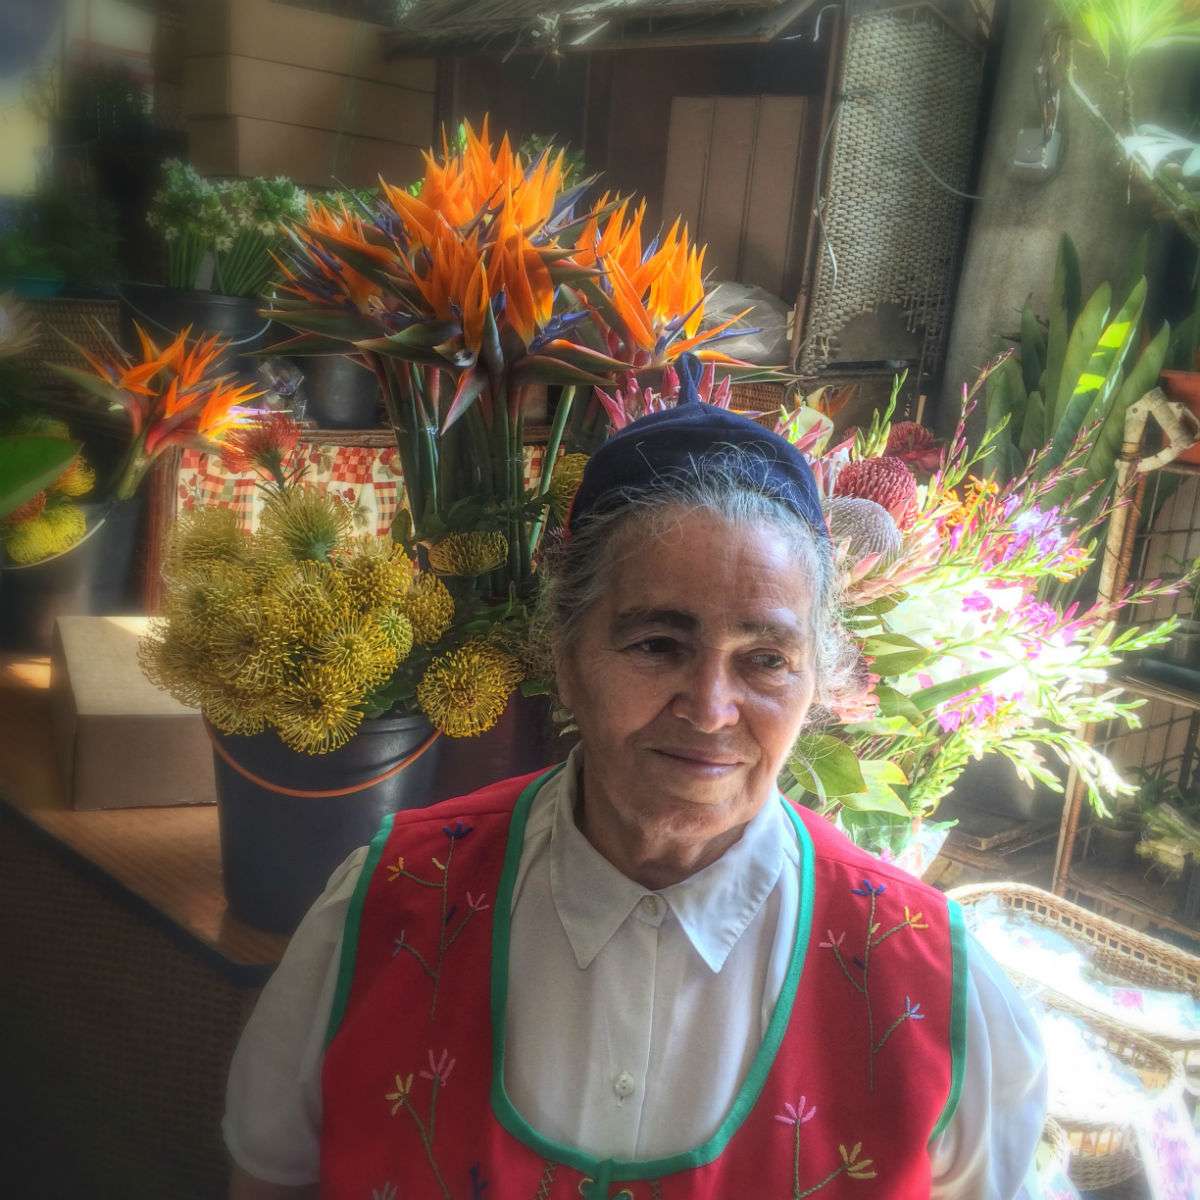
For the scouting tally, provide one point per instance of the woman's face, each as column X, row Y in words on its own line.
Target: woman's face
column 692, row 676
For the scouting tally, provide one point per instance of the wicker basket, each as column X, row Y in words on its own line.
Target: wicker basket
column 758, row 397
column 70, row 317
column 1120, row 952
column 1058, row 1144
column 1106, row 1154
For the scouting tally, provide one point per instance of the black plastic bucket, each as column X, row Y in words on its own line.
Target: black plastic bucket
column 341, row 393
column 95, row 577
column 278, row 850
column 164, row 311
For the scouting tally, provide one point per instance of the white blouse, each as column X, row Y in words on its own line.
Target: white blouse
column 662, row 998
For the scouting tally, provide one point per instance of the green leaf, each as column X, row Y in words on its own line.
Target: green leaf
column 831, row 761
column 1033, row 431
column 1085, row 336
column 91, row 383
column 1098, row 382
column 1064, row 306
column 470, row 386
column 927, row 699
column 879, row 794
column 1001, row 397
column 304, row 345
column 540, row 368
column 1033, row 349
column 330, row 323
column 417, row 343
column 1100, row 464
column 29, row 464
column 893, row 703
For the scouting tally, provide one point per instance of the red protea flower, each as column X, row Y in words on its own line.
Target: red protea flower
column 913, row 445
column 26, row 512
column 265, row 446
column 885, row 480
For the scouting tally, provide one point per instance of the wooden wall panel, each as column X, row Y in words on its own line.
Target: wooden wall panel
column 688, row 144
column 770, row 245
column 734, row 167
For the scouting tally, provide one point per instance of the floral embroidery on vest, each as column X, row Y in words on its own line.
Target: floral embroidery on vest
column 446, row 937
column 797, row 1116
column 401, row 1099
column 862, row 984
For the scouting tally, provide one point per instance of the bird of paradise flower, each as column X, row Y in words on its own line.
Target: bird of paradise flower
column 171, row 396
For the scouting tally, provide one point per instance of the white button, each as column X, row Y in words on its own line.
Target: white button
column 652, row 906
column 624, row 1085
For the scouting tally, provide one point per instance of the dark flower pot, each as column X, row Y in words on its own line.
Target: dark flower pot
column 94, row 577
column 278, row 850
column 992, row 786
column 341, row 393
column 164, row 311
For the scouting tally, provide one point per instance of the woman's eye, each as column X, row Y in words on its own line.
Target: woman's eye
column 767, row 660
column 656, row 647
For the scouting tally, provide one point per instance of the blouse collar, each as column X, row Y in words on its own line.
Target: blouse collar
column 714, row 907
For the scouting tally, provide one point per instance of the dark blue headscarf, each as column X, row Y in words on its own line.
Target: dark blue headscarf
column 666, row 445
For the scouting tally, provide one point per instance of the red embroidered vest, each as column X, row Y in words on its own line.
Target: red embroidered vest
column 860, row 1067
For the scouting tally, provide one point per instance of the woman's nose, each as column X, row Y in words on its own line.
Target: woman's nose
column 707, row 698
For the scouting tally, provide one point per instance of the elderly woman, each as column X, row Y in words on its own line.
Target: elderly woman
column 642, row 974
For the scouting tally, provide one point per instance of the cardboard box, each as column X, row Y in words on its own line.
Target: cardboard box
column 121, row 742
column 286, row 33
column 234, row 86
column 312, row 157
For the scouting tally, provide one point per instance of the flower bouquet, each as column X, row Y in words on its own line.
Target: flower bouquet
column 302, row 628
column 464, row 292
column 951, row 591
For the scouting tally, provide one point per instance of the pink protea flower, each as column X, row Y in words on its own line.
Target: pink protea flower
column 885, row 480
column 913, row 445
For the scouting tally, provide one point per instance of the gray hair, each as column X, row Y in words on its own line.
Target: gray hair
column 574, row 573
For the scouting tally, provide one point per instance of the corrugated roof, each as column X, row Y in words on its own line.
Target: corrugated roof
column 588, row 24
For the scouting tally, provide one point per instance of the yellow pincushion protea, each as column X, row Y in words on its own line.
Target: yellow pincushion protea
column 430, row 608
column 203, row 599
column 68, row 522
column 317, row 711
column 305, row 524
column 30, row 541
column 398, row 630
column 310, row 600
column 77, row 480
column 207, row 535
column 468, row 554
column 564, row 482
column 236, row 712
column 359, row 653
column 377, row 572
column 464, row 692
column 249, row 652
column 54, row 531
column 176, row 663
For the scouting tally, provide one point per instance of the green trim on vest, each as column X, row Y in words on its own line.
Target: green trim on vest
column 748, row 1093
column 341, row 995
column 958, row 1015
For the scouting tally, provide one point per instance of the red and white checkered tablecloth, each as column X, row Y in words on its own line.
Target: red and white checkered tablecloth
column 370, row 479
